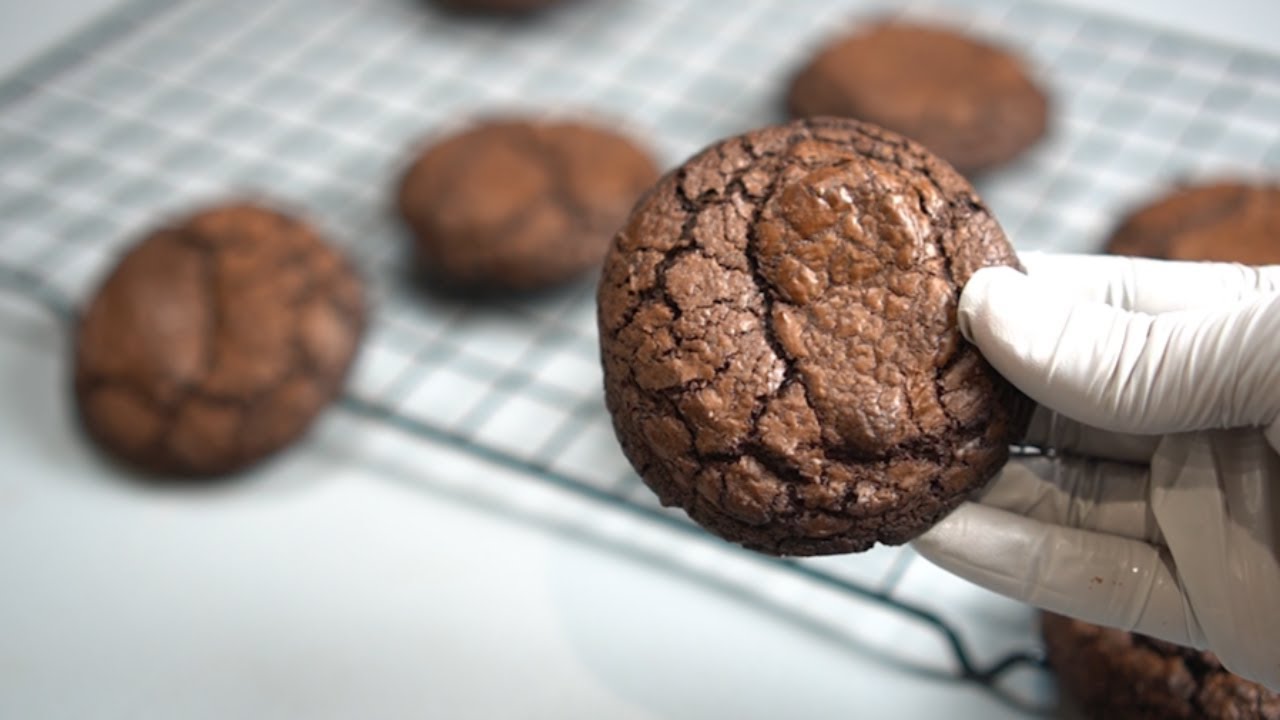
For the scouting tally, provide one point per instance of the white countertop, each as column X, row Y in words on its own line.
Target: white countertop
column 341, row 591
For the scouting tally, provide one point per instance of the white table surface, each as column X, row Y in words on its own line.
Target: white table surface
column 336, row 591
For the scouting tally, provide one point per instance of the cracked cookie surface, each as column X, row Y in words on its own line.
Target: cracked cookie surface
column 216, row 341
column 1116, row 674
column 970, row 102
column 780, row 349
column 520, row 205
column 1223, row 222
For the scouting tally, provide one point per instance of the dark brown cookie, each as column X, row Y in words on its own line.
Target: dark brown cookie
column 1117, row 674
column 1225, row 221
column 778, row 331
column 969, row 102
column 216, row 341
column 521, row 205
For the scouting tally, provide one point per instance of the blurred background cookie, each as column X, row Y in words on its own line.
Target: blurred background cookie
column 1115, row 674
column 517, row 205
column 215, row 341
column 968, row 101
column 1223, row 221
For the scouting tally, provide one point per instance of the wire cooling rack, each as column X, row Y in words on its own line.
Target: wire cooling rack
column 163, row 105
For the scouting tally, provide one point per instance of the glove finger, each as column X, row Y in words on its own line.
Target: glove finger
column 1124, row 371
column 1097, row 496
column 1099, row 578
column 1054, row 431
column 1216, row 497
column 1149, row 286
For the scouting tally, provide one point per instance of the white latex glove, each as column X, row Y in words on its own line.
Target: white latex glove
column 1157, row 507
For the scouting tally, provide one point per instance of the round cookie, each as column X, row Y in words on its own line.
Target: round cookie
column 215, row 342
column 778, row 332
column 1224, row 221
column 1116, row 674
column 521, row 205
column 967, row 101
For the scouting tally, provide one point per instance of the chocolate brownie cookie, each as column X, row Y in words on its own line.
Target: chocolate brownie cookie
column 778, row 332
column 216, row 341
column 1117, row 674
column 1225, row 221
column 521, row 205
column 971, row 103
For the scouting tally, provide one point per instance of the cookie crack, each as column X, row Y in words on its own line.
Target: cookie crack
column 188, row 388
column 948, row 271
column 660, row 290
column 559, row 192
column 752, row 251
column 924, row 447
column 214, row 321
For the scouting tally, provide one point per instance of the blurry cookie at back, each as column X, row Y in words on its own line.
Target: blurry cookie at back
column 970, row 102
column 513, row 205
column 1224, row 221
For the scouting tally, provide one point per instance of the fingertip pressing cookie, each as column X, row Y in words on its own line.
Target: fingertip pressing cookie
column 1111, row 673
column 778, row 333
column 518, row 205
column 970, row 102
column 216, row 341
column 1221, row 221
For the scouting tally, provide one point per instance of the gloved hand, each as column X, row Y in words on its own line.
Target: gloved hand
column 1156, row 505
